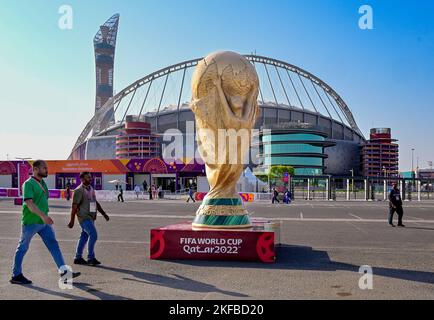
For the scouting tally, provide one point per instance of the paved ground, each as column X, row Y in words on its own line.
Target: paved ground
column 324, row 243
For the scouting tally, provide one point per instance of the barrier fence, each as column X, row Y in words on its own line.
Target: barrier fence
column 355, row 188
column 308, row 188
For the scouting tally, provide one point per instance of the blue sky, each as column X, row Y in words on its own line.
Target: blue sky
column 386, row 75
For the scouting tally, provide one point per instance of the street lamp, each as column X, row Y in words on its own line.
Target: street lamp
column 412, row 160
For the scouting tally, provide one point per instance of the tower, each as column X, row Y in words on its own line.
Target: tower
column 104, row 46
column 380, row 154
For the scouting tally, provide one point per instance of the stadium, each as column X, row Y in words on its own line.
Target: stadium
column 294, row 104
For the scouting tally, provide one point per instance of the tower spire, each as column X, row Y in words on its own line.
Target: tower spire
column 104, row 46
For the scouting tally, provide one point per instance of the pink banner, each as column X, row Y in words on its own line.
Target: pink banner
column 23, row 169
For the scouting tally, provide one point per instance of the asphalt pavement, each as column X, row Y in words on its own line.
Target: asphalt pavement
column 323, row 246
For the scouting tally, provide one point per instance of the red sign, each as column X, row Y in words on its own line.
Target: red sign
column 180, row 241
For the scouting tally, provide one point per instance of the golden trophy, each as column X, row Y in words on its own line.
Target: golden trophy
column 225, row 89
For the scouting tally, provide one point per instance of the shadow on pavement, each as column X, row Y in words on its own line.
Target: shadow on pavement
column 56, row 293
column 97, row 292
column 81, row 286
column 175, row 282
column 306, row 258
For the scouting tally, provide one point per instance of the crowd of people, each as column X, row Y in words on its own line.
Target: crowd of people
column 154, row 191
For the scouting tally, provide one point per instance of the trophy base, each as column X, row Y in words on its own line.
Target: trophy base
column 182, row 241
column 222, row 222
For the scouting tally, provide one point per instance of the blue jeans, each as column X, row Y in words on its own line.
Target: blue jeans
column 46, row 232
column 88, row 233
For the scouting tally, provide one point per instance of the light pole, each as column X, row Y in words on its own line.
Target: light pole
column 18, row 173
column 412, row 158
column 352, row 180
column 268, row 177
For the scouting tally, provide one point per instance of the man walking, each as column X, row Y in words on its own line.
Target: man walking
column 35, row 220
column 287, row 197
column 190, row 194
column 121, row 194
column 137, row 190
column 275, row 195
column 85, row 207
column 145, row 186
column 150, row 192
column 395, row 204
column 68, row 190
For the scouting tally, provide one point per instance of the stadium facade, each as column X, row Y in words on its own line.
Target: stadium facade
column 295, row 103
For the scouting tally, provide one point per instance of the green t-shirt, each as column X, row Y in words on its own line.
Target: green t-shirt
column 82, row 199
column 32, row 190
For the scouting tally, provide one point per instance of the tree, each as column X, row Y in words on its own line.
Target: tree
column 277, row 172
column 274, row 173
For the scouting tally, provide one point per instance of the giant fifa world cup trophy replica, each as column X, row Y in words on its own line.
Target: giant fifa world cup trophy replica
column 225, row 89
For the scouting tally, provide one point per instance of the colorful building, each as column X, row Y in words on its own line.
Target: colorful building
column 136, row 140
column 299, row 145
column 380, row 154
column 130, row 172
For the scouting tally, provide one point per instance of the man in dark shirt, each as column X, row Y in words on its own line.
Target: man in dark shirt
column 85, row 207
column 190, row 194
column 395, row 204
column 275, row 196
column 145, row 186
column 121, row 194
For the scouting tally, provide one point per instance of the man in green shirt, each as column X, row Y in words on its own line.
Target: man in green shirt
column 35, row 220
column 85, row 207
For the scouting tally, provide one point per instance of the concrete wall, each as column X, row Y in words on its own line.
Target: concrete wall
column 5, row 181
column 51, row 181
column 202, row 184
column 342, row 158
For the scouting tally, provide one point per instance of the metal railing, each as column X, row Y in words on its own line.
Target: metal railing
column 357, row 188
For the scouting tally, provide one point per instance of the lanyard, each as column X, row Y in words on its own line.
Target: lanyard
column 40, row 185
